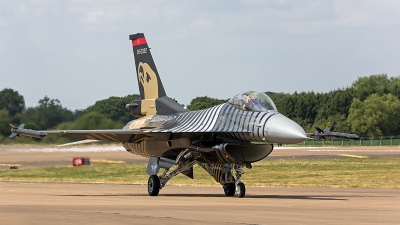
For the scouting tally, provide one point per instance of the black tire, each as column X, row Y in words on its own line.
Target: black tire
column 153, row 185
column 240, row 190
column 229, row 189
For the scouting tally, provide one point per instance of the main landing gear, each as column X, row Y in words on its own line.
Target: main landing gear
column 222, row 173
column 230, row 189
column 153, row 185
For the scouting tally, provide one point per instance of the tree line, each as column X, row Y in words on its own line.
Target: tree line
column 49, row 113
column 370, row 106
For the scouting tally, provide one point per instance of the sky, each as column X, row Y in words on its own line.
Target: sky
column 79, row 51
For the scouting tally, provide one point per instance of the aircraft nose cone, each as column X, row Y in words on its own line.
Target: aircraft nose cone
column 280, row 129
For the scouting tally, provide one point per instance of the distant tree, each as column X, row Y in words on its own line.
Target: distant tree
column 5, row 119
column 204, row 102
column 87, row 121
column 91, row 121
column 47, row 114
column 306, row 105
column 12, row 101
column 301, row 107
column 283, row 102
column 78, row 112
column 114, row 108
column 336, row 122
column 375, row 116
column 333, row 104
column 374, row 84
column 394, row 86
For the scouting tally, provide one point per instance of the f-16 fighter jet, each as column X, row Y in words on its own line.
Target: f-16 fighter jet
column 327, row 134
column 221, row 139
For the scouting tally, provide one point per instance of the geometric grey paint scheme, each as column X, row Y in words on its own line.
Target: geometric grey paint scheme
column 222, row 139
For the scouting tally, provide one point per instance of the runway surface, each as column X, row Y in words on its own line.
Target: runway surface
column 56, row 203
column 42, row 156
column 37, row 203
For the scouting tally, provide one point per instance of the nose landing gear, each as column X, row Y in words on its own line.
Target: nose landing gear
column 240, row 190
column 229, row 189
column 240, row 187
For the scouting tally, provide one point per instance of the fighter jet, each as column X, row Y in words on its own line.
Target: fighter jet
column 327, row 134
column 222, row 139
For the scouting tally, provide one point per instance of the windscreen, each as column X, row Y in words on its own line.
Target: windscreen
column 253, row 101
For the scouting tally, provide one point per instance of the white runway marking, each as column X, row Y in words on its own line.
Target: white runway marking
column 300, row 148
column 354, row 150
column 96, row 148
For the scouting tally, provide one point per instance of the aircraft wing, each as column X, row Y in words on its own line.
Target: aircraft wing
column 104, row 135
column 115, row 135
column 118, row 135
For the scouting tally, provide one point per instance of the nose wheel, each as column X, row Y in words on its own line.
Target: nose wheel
column 153, row 185
column 240, row 190
column 237, row 188
column 232, row 189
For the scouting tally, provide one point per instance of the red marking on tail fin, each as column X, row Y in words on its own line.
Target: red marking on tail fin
column 139, row 41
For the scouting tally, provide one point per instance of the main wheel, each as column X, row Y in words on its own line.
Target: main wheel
column 229, row 189
column 153, row 185
column 240, row 190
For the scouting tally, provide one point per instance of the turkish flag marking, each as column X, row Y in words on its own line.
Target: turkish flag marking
column 139, row 41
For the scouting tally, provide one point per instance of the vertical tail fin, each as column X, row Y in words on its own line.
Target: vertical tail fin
column 153, row 97
column 150, row 85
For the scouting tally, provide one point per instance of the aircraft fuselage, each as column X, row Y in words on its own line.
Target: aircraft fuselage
column 219, row 124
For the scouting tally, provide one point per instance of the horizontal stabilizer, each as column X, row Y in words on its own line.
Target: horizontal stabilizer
column 319, row 130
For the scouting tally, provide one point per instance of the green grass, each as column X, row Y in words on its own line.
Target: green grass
column 347, row 173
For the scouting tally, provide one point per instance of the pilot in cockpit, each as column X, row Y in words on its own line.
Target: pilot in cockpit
column 252, row 103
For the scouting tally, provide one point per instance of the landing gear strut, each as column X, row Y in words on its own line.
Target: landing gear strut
column 240, row 187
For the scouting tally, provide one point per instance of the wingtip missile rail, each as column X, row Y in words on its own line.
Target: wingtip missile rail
column 21, row 131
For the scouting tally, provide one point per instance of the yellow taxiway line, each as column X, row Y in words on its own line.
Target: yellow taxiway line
column 106, row 161
column 2, row 164
column 353, row 156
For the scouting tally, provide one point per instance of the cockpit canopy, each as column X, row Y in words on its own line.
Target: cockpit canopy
column 253, row 101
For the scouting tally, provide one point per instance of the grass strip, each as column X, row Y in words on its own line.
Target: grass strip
column 344, row 173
